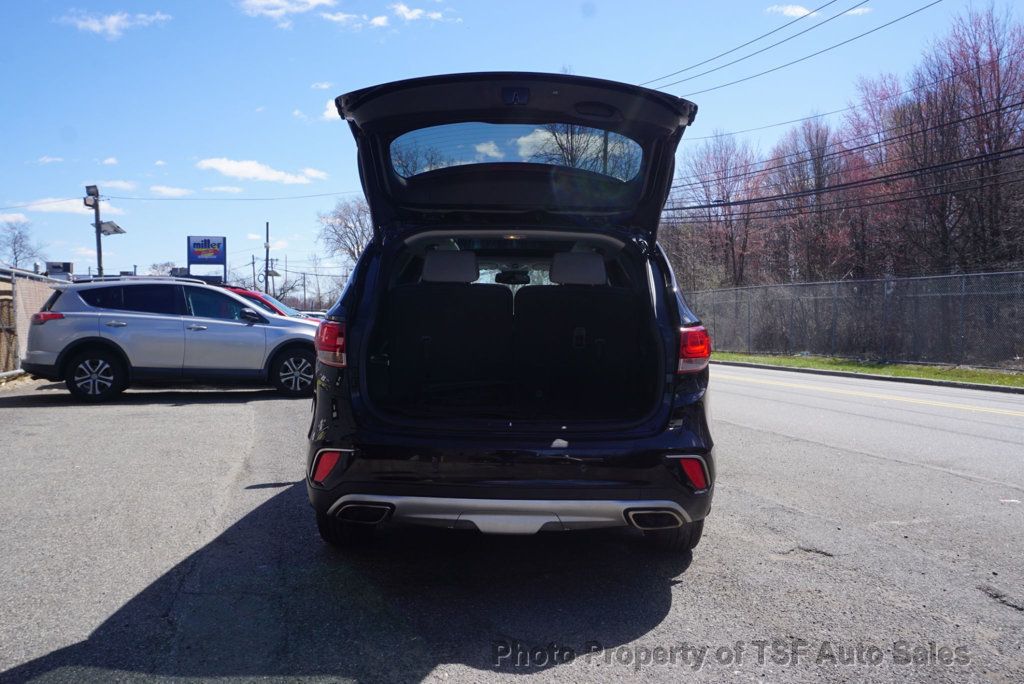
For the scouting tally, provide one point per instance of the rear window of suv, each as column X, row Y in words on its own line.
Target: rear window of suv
column 554, row 144
column 157, row 299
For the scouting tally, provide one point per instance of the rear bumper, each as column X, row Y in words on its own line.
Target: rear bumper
column 41, row 370
column 510, row 516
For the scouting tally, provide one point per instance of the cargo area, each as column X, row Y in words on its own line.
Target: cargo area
column 524, row 329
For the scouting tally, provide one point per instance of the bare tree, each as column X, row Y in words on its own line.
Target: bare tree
column 347, row 229
column 161, row 269
column 16, row 245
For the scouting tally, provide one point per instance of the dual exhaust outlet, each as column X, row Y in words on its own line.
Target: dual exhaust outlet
column 640, row 518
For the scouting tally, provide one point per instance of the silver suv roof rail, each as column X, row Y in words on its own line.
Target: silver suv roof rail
column 114, row 279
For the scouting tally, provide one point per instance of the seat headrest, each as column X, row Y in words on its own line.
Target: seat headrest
column 450, row 266
column 578, row 268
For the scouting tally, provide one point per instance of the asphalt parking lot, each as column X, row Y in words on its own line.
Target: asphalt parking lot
column 168, row 536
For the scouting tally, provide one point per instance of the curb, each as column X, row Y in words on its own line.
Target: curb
column 7, row 376
column 872, row 376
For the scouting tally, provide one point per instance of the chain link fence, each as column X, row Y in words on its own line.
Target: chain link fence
column 975, row 319
column 22, row 293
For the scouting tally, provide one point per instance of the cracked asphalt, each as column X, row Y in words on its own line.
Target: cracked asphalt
column 861, row 530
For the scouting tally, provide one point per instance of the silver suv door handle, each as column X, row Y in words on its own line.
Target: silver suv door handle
column 196, row 326
column 115, row 324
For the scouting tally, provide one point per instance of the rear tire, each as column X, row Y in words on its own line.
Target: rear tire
column 95, row 375
column 342, row 534
column 292, row 372
column 682, row 538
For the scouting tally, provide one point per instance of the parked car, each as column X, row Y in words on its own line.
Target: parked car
column 314, row 314
column 512, row 353
column 266, row 302
column 100, row 337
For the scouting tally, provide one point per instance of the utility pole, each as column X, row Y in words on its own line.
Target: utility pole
column 135, row 269
column 304, row 305
column 266, row 260
column 92, row 199
column 254, row 286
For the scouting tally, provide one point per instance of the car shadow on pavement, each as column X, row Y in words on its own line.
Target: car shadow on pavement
column 45, row 396
column 268, row 599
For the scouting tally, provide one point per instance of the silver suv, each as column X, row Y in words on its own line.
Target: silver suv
column 100, row 336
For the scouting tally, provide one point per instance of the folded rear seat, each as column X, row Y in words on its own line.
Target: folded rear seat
column 447, row 332
column 573, row 338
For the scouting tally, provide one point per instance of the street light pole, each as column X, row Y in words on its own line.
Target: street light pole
column 92, row 199
column 99, row 243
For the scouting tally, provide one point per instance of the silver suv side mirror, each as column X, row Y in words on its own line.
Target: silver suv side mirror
column 250, row 316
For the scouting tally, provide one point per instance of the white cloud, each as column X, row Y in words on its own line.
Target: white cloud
column 858, row 11
column 330, row 111
column 339, row 18
column 247, row 169
column 159, row 162
column 47, row 159
column 489, row 149
column 13, row 218
column 169, row 191
column 112, row 26
column 51, row 205
column 233, row 189
column 253, row 236
column 281, row 10
column 260, row 109
column 297, row 113
column 354, row 21
column 789, row 10
column 321, row 85
column 86, row 252
column 314, row 173
column 115, row 184
column 530, row 144
column 109, row 161
column 407, row 13
column 279, row 244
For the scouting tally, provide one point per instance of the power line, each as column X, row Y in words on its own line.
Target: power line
column 852, row 107
column 814, row 54
column 1009, row 153
column 850, row 150
column 764, row 49
column 788, row 212
column 740, row 47
column 233, row 199
column 39, row 204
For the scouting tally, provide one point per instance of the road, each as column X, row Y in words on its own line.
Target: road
column 168, row 536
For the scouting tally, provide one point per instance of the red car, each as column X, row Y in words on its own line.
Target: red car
column 265, row 302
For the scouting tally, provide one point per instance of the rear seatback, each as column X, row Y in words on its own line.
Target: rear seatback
column 448, row 332
column 572, row 338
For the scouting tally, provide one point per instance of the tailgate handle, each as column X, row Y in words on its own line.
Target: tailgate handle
column 579, row 338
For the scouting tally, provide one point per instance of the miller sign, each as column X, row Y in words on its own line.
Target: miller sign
column 203, row 249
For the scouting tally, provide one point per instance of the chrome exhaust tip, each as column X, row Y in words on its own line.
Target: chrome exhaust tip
column 654, row 519
column 367, row 514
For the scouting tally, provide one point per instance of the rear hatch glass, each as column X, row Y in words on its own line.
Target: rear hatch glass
column 554, row 144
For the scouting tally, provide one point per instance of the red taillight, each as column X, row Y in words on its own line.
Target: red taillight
column 694, row 349
column 43, row 316
column 693, row 468
column 330, row 344
column 324, row 465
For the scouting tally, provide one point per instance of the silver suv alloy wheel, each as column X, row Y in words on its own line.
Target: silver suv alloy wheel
column 296, row 373
column 93, row 376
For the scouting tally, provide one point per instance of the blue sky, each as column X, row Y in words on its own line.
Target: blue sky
column 206, row 106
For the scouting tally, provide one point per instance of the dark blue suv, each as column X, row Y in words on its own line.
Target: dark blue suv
column 512, row 354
